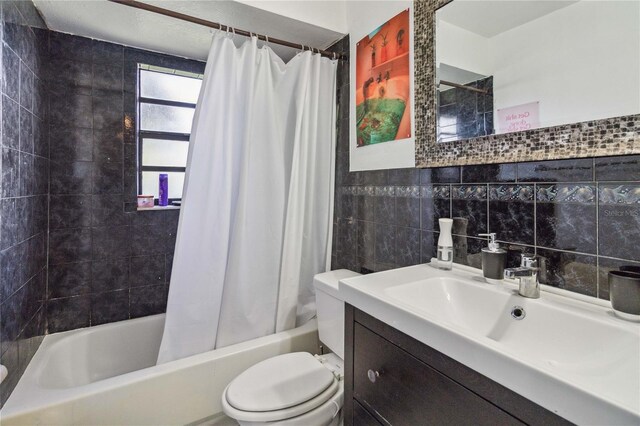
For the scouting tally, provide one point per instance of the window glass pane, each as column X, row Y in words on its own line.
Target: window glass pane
column 162, row 118
column 169, row 87
column 150, row 183
column 160, row 152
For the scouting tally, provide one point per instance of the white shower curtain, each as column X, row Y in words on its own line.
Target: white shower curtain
column 255, row 223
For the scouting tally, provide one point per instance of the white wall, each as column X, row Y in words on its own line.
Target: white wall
column 587, row 68
column 362, row 18
column 463, row 49
column 330, row 14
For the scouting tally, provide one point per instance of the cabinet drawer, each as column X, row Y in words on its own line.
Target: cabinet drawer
column 405, row 391
column 361, row 417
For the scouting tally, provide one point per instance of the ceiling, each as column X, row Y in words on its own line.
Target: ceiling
column 103, row 20
column 489, row 18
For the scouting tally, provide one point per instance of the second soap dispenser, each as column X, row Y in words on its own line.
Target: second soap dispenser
column 494, row 259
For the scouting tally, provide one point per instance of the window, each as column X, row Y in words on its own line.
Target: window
column 166, row 104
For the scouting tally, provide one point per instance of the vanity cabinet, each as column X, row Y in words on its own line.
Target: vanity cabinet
column 393, row 379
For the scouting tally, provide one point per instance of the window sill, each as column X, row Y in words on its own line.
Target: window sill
column 157, row 208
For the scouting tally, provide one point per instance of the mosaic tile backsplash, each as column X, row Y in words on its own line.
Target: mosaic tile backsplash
column 581, row 216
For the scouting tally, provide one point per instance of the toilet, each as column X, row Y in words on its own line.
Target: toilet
column 297, row 388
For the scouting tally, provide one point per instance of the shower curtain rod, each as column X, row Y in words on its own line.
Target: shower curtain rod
column 217, row 26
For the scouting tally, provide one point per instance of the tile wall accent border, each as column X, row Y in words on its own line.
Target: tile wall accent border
column 613, row 136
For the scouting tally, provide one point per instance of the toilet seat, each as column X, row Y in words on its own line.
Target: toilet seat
column 279, row 388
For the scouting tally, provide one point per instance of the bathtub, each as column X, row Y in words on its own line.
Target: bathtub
column 106, row 375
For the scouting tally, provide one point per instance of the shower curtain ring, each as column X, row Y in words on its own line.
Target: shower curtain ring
column 267, row 38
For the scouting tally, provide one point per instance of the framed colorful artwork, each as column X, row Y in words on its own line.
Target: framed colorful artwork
column 383, row 81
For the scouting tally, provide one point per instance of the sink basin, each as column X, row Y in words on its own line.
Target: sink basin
column 566, row 352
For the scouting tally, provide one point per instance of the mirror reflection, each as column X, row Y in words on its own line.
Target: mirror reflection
column 508, row 66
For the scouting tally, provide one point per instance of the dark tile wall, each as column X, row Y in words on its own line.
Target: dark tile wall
column 581, row 216
column 24, row 187
column 465, row 114
column 107, row 262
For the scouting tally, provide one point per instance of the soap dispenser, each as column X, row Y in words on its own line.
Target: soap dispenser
column 494, row 258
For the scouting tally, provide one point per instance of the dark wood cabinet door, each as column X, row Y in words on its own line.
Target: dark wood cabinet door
column 402, row 390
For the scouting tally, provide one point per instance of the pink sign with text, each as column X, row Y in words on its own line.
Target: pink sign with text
column 518, row 118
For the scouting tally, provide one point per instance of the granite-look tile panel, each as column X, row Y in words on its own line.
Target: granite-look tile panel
column 103, row 52
column 27, row 82
column 568, row 271
column 71, row 110
column 469, row 205
column 107, row 109
column 71, row 177
column 111, row 242
column 69, row 211
column 148, row 300
column 407, row 246
column 366, row 240
column 108, row 210
column 489, row 173
column 70, row 47
column 69, row 279
column 572, row 170
column 9, row 223
column 605, row 265
column 69, row 245
column 566, row 217
column 108, row 146
column 408, row 206
column 108, row 76
column 68, row 313
column 440, row 175
column 623, row 168
column 467, row 250
column 428, row 245
column 109, row 307
column 147, row 270
column 511, row 213
column 109, row 275
column 619, row 220
column 385, row 205
column 108, row 178
column 11, row 74
column 10, row 123
column 10, row 173
column 434, row 204
column 71, row 144
column 385, row 246
column 70, row 73
column 26, row 131
column 405, row 177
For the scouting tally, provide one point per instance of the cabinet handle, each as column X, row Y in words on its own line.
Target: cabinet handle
column 372, row 375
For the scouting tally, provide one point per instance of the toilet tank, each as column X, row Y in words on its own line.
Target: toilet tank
column 330, row 306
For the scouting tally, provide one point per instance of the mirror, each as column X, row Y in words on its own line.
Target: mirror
column 504, row 81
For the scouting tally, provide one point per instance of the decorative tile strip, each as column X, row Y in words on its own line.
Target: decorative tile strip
column 581, row 194
column 469, row 192
column 385, row 191
column 436, row 191
column 408, row 191
column 511, row 193
column 619, row 194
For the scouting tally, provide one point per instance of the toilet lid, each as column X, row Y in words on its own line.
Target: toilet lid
column 280, row 382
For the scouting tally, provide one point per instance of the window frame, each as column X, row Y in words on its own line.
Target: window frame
column 154, row 134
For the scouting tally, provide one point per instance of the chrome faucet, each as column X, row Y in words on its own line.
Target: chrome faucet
column 527, row 274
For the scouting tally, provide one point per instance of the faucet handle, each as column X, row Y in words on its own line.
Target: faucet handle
column 528, row 260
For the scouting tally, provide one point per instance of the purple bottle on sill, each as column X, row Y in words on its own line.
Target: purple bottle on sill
column 163, row 190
